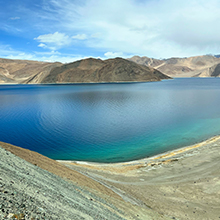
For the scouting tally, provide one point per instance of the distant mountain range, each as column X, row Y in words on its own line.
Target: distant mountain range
column 82, row 71
column 22, row 71
column 135, row 69
column 198, row 66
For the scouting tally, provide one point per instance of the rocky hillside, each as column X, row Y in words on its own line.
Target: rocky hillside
column 88, row 70
column 35, row 187
column 111, row 70
column 21, row 71
column 95, row 70
column 198, row 66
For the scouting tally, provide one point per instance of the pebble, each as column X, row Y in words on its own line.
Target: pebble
column 30, row 193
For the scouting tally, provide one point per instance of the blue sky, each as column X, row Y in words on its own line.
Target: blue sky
column 68, row 30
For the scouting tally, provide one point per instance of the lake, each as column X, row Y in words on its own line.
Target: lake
column 110, row 122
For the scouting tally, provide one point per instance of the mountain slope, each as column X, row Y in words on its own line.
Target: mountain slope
column 88, row 70
column 111, row 70
column 20, row 71
column 198, row 66
column 33, row 186
column 95, row 70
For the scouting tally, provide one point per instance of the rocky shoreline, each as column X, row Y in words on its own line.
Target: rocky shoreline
column 181, row 184
column 29, row 192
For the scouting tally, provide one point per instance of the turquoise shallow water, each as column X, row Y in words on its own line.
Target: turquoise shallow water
column 110, row 122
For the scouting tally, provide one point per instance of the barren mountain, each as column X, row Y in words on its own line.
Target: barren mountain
column 198, row 66
column 95, row 70
column 21, row 71
column 88, row 70
column 111, row 70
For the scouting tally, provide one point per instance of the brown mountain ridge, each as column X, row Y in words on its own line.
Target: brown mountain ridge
column 95, row 70
column 135, row 69
column 197, row 66
column 20, row 71
column 82, row 71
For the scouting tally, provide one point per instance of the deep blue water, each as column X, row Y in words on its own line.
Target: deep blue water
column 110, row 122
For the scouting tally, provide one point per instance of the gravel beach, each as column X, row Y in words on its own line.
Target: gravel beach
column 181, row 184
column 35, row 187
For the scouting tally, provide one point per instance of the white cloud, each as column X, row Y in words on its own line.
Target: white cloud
column 154, row 28
column 6, row 51
column 113, row 54
column 63, row 59
column 58, row 57
column 58, row 40
column 10, row 29
column 42, row 45
column 161, row 28
column 80, row 37
column 15, row 18
column 48, row 53
column 22, row 56
column 54, row 41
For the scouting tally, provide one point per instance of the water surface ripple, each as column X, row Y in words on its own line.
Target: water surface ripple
column 110, row 122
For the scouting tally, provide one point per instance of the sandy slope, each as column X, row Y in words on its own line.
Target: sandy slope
column 197, row 66
column 45, row 189
column 184, row 183
column 181, row 184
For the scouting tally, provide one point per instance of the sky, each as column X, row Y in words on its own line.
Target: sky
column 69, row 30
